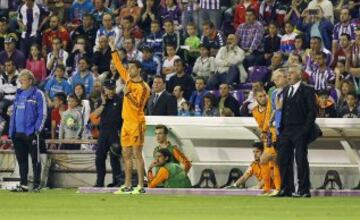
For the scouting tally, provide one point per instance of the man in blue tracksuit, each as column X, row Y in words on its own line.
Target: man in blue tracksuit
column 27, row 121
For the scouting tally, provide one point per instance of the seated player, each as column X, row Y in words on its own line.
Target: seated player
column 170, row 175
column 161, row 132
column 262, row 115
column 253, row 170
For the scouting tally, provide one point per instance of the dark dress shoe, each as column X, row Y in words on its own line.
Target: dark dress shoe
column 306, row 195
column 114, row 185
column 99, row 185
column 283, row 193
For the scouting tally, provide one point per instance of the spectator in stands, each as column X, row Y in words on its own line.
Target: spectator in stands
column 99, row 11
column 197, row 97
column 325, row 106
column 27, row 122
column 342, row 74
column 31, row 19
column 172, row 12
column 83, row 76
column 346, row 87
column 177, row 156
column 343, row 27
column 249, row 104
column 205, row 64
column 181, row 79
column 87, row 29
column 130, row 30
column 271, row 42
column 110, row 127
column 131, row 9
column 212, row 38
column 272, row 11
column 323, row 78
column 192, row 44
column 171, row 36
column 78, row 9
column 343, row 50
column 299, row 45
column 9, row 81
column 240, row 11
column 79, row 92
column 229, row 63
column 4, row 31
column 226, row 100
column 102, row 55
column 168, row 68
column 56, row 57
column 309, row 56
column 210, row 106
column 293, row 13
column 150, row 13
column 60, row 106
column 210, row 11
column 55, row 30
column 327, row 7
column 56, row 84
column 108, row 30
column 170, row 174
column 314, row 24
column 132, row 52
column 185, row 109
column 250, row 35
column 79, row 50
column 287, row 43
column 113, row 74
column 10, row 52
column 151, row 65
column 36, row 64
column 71, row 123
column 179, row 95
column 352, row 109
column 154, row 39
column 161, row 102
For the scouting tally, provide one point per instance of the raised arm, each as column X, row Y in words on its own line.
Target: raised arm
column 117, row 61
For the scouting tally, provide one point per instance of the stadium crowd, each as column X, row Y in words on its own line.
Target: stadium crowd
column 200, row 57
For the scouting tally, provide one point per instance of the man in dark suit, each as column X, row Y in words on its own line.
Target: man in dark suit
column 226, row 100
column 297, row 130
column 161, row 102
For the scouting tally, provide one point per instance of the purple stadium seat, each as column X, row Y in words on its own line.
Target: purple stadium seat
column 215, row 93
column 238, row 95
column 259, row 73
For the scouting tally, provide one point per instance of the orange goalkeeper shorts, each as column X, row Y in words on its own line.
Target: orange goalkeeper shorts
column 132, row 134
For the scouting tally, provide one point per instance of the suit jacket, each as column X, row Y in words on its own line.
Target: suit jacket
column 165, row 105
column 306, row 104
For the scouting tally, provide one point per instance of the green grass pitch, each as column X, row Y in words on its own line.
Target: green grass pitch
column 67, row 204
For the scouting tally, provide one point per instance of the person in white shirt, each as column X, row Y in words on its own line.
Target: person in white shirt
column 229, row 63
column 204, row 65
column 327, row 7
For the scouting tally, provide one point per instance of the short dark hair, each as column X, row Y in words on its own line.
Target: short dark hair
column 85, row 59
column 160, row 77
column 323, row 92
column 251, row 11
column 163, row 127
column 136, row 63
column 300, row 36
column 180, row 61
column 168, row 20
column 61, row 66
column 73, row 96
column 166, row 153
column 61, row 96
column 353, row 94
column 259, row 145
column 322, row 54
column 10, row 61
column 211, row 97
column 88, row 15
column 208, row 23
column 170, row 45
column 200, row 78
column 155, row 22
column 316, row 38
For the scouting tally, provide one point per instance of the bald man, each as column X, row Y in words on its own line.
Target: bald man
column 229, row 62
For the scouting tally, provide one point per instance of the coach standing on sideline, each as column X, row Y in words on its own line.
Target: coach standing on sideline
column 297, row 129
column 110, row 126
column 27, row 121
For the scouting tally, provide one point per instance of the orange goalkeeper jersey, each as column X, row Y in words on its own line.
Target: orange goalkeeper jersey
column 263, row 120
column 136, row 99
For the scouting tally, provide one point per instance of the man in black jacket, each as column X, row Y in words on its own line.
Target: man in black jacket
column 161, row 102
column 110, row 126
column 181, row 79
column 297, row 130
column 226, row 100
